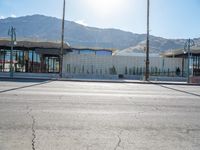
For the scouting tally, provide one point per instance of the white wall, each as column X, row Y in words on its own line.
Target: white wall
column 100, row 65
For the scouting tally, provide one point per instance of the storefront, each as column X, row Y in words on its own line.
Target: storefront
column 32, row 57
column 29, row 61
column 40, row 57
column 194, row 59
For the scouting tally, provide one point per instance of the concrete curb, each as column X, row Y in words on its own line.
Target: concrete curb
column 130, row 81
column 93, row 80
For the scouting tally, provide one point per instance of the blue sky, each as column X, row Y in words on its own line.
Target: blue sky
column 168, row 18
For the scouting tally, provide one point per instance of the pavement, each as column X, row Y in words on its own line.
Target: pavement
column 66, row 115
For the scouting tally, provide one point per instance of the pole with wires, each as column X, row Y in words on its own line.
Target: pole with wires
column 188, row 44
column 62, row 41
column 147, row 45
column 12, row 34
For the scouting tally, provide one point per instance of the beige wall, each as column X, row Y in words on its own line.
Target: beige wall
column 91, row 64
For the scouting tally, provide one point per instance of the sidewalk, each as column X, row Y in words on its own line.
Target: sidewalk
column 35, row 79
column 129, row 81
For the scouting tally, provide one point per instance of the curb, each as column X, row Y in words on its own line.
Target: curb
column 130, row 81
column 99, row 81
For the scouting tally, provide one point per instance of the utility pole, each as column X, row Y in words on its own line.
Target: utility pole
column 147, row 45
column 189, row 43
column 62, row 41
column 12, row 34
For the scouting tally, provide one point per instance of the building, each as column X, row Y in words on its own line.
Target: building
column 35, row 57
column 194, row 58
column 39, row 57
column 44, row 58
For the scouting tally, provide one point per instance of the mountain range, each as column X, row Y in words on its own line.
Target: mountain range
column 40, row 27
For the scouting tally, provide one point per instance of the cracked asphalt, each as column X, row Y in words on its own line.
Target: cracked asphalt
column 63, row 115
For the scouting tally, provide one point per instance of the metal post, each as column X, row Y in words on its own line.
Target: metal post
column 188, row 73
column 189, row 43
column 62, row 40
column 147, row 44
column 12, row 34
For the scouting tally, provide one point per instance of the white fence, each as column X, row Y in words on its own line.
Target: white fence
column 91, row 66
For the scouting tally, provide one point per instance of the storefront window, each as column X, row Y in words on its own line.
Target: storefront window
column 7, row 61
column 18, row 61
column 28, row 61
column 52, row 64
column 2, row 60
column 36, row 63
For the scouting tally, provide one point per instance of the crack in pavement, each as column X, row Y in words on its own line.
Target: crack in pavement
column 32, row 128
column 118, row 143
column 119, row 140
column 33, row 133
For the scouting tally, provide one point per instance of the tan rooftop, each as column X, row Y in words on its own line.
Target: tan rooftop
column 181, row 52
column 32, row 45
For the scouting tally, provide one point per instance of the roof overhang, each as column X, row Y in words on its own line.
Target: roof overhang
column 29, row 45
column 93, row 49
column 181, row 52
column 51, row 48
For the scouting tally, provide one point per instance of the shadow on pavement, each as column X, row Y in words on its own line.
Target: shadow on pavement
column 182, row 91
column 23, row 87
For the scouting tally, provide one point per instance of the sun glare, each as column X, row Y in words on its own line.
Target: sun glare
column 105, row 7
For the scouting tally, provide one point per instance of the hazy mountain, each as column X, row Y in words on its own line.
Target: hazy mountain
column 49, row 28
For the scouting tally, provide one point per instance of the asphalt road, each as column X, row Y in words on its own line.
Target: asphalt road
column 59, row 115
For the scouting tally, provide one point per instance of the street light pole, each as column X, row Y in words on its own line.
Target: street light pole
column 147, row 44
column 62, row 40
column 12, row 34
column 188, row 44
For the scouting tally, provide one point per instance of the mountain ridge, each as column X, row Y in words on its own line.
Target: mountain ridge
column 77, row 35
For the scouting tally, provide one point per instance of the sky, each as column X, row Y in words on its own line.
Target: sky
column 168, row 18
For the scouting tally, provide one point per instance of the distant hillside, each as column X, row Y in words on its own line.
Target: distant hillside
column 49, row 28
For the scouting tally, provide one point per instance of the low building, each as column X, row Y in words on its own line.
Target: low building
column 194, row 56
column 44, row 57
column 35, row 57
column 39, row 57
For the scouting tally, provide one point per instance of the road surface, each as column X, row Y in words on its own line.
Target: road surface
column 60, row 115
